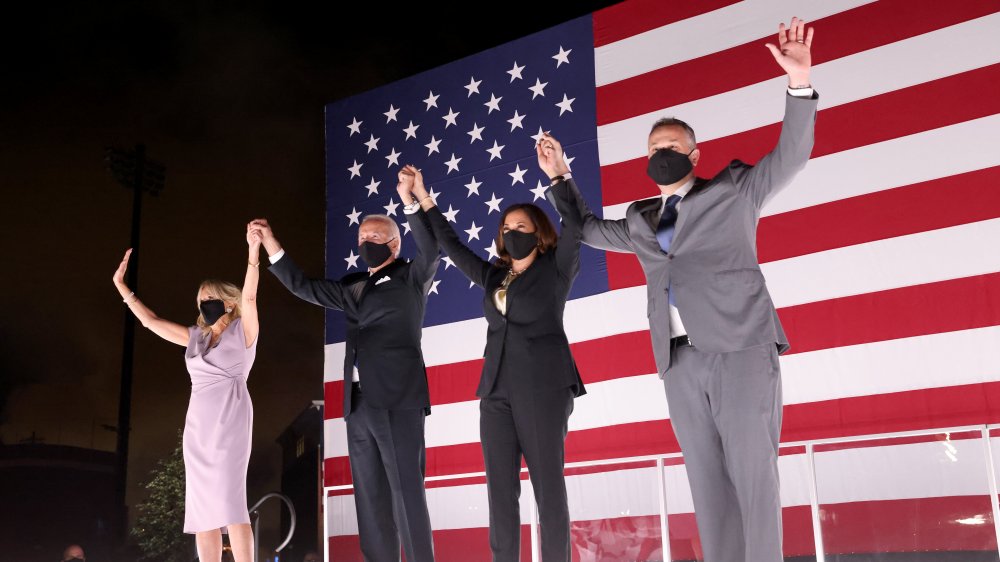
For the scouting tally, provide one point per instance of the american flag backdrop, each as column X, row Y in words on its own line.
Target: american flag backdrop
column 882, row 258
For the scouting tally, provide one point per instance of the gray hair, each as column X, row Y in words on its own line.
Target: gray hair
column 392, row 225
column 675, row 122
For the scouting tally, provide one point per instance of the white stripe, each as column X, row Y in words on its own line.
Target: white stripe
column 341, row 516
column 885, row 165
column 885, row 69
column 947, row 468
column 333, row 361
column 917, row 470
column 921, row 157
column 334, row 438
column 685, row 40
column 925, row 257
column 931, row 361
column 937, row 360
column 457, row 423
column 468, row 506
column 793, row 473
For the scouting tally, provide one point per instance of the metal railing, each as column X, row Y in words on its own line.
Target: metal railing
column 660, row 460
column 255, row 515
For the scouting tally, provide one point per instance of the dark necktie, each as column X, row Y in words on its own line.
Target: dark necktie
column 665, row 230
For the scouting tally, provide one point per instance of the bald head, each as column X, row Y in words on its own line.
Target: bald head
column 73, row 552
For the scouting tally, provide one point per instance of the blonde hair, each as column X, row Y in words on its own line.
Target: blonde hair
column 227, row 292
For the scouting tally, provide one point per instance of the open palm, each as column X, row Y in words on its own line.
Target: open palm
column 793, row 51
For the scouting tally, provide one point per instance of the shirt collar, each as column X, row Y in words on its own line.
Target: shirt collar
column 681, row 192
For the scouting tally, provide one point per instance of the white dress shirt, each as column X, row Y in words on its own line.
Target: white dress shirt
column 676, row 325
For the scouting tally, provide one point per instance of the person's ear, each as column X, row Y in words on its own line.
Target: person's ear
column 695, row 156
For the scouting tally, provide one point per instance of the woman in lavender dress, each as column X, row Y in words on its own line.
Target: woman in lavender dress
column 217, row 431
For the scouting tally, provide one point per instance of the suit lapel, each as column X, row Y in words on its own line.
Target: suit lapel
column 649, row 210
column 685, row 210
column 370, row 284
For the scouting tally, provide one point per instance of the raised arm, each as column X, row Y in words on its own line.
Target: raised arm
column 777, row 169
column 550, row 159
column 595, row 232
column 323, row 292
column 568, row 249
column 251, row 320
column 425, row 264
column 170, row 331
column 473, row 266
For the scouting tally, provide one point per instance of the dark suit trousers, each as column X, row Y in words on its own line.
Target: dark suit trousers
column 532, row 424
column 386, row 448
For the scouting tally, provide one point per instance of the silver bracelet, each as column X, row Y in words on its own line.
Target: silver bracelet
column 129, row 296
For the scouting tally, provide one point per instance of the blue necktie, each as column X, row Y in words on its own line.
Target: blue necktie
column 665, row 230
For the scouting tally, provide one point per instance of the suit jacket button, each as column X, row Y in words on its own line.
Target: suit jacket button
column 670, row 256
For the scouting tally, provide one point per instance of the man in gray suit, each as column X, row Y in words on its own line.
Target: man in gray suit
column 716, row 335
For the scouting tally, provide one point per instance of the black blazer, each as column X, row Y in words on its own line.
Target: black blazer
column 384, row 320
column 529, row 344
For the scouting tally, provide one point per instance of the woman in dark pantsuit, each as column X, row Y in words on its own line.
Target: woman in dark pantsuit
column 529, row 378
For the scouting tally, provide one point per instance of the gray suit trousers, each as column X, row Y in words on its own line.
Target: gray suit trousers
column 726, row 412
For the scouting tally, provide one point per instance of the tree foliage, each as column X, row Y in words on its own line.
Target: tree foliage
column 159, row 526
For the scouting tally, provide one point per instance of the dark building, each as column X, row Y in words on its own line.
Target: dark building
column 55, row 495
column 301, row 480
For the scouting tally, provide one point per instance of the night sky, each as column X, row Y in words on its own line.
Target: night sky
column 229, row 96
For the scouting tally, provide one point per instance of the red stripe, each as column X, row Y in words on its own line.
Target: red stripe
column 345, row 548
column 466, row 545
column 927, row 408
column 624, row 20
column 473, row 544
column 614, row 467
column 946, row 306
column 333, row 400
column 921, row 525
column 887, row 116
column 972, row 197
column 907, row 525
column 598, row 360
column 882, row 413
column 838, row 36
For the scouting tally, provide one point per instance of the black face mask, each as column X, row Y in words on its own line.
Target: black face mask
column 212, row 310
column 667, row 167
column 519, row 244
column 374, row 254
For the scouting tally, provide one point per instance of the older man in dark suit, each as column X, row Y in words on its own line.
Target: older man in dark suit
column 385, row 390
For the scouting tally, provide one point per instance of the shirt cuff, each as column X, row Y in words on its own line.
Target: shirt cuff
column 800, row 92
column 277, row 256
column 412, row 208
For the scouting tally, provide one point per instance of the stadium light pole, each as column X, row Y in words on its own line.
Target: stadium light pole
column 134, row 171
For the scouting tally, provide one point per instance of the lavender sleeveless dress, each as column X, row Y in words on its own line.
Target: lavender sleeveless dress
column 217, row 431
